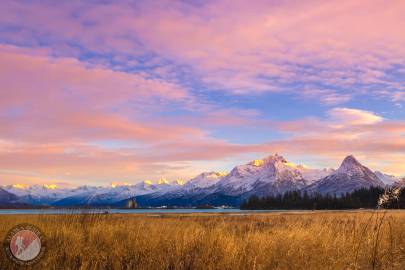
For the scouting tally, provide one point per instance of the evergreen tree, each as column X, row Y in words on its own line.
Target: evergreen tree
column 361, row 198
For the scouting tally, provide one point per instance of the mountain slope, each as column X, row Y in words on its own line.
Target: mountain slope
column 7, row 197
column 98, row 196
column 204, row 180
column 37, row 194
column 271, row 175
column 192, row 193
column 350, row 176
column 386, row 178
column 400, row 183
column 312, row 175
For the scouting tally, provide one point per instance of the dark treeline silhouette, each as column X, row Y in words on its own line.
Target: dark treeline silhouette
column 361, row 198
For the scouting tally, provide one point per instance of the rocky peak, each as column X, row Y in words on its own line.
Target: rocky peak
column 272, row 159
column 352, row 166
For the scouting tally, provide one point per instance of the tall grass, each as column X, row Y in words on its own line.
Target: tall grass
column 311, row 240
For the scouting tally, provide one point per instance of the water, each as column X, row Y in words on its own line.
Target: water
column 126, row 211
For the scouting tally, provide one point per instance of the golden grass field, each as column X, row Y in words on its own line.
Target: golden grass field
column 310, row 240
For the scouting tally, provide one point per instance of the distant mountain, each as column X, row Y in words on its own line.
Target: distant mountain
column 350, row 176
column 7, row 197
column 101, row 196
column 312, row 175
column 386, row 178
column 204, row 180
column 38, row 194
column 268, row 176
column 83, row 195
column 191, row 193
column 263, row 177
column 400, row 183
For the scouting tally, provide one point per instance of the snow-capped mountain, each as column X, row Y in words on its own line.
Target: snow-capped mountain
column 312, row 175
column 83, row 195
column 400, row 183
column 112, row 194
column 204, row 180
column 7, row 197
column 186, row 194
column 270, row 175
column 386, row 178
column 350, row 176
column 37, row 194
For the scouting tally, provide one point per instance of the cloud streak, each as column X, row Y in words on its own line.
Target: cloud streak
column 138, row 89
column 316, row 49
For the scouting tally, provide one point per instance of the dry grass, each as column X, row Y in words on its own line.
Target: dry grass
column 319, row 240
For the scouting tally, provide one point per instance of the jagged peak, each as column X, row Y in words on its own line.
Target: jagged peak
column 350, row 159
column 349, row 163
column 210, row 175
column 205, row 179
column 163, row 181
column 179, row 182
column 269, row 159
column 148, row 182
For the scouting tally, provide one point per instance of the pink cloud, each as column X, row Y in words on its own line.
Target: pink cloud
column 55, row 107
column 346, row 131
column 336, row 43
column 236, row 46
column 54, row 111
column 64, row 99
column 380, row 142
column 349, row 116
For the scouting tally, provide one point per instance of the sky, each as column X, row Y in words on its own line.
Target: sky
column 94, row 92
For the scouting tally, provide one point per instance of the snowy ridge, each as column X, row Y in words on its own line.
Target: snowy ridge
column 350, row 176
column 386, row 178
column 83, row 195
column 7, row 197
column 273, row 170
column 261, row 177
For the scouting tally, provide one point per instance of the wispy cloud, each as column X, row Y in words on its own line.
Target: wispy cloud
column 347, row 131
column 165, row 82
column 351, row 47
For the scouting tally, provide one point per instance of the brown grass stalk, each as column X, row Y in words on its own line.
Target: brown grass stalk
column 309, row 240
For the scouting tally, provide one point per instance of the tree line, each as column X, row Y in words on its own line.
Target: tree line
column 361, row 198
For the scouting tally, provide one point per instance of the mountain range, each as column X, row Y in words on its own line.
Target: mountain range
column 7, row 197
column 269, row 176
